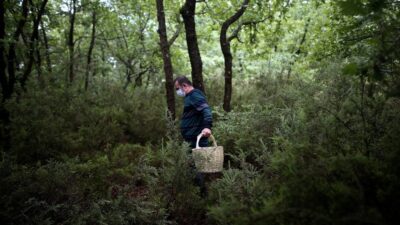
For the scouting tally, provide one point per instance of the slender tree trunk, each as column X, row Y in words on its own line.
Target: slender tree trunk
column 71, row 42
column 168, row 70
column 7, row 83
column 139, row 76
column 298, row 51
column 282, row 16
column 103, row 59
column 11, row 65
column 3, row 78
column 128, row 79
column 188, row 12
column 33, row 44
column 4, row 114
column 91, row 46
column 38, row 61
column 128, row 76
column 225, row 43
column 364, row 114
column 46, row 45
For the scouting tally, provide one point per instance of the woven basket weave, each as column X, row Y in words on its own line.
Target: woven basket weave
column 208, row 159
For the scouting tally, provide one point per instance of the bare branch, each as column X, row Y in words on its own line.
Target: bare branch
column 176, row 35
column 235, row 33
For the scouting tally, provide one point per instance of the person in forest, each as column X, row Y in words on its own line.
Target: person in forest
column 196, row 119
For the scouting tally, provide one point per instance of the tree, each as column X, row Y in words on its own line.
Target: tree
column 91, row 46
column 33, row 44
column 188, row 12
column 226, row 50
column 12, row 57
column 4, row 114
column 374, row 26
column 168, row 70
column 70, row 41
column 47, row 47
column 3, row 78
column 299, row 48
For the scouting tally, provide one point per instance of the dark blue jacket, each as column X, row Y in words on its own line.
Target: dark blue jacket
column 196, row 116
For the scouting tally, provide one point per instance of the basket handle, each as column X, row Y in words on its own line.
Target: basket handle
column 201, row 135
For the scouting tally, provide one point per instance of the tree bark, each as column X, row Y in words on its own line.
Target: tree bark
column 225, row 43
column 33, row 44
column 3, row 78
column 128, row 78
column 38, row 60
column 7, row 83
column 71, row 43
column 142, row 30
column 11, row 64
column 91, row 46
column 298, row 51
column 46, row 45
column 103, row 59
column 168, row 70
column 4, row 114
column 188, row 12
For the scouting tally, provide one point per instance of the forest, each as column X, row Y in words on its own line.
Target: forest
column 305, row 99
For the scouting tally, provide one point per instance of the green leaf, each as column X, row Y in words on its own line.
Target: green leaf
column 352, row 7
column 350, row 69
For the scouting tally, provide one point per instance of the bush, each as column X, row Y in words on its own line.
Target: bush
column 326, row 158
column 319, row 152
column 47, row 123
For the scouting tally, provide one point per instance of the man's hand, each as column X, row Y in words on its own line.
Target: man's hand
column 206, row 132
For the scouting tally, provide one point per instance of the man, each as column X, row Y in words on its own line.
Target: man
column 196, row 117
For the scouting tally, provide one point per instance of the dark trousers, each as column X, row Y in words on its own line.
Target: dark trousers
column 199, row 179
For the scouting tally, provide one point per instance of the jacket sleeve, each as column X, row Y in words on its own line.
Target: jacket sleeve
column 201, row 105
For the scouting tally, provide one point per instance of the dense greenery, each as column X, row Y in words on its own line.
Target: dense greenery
column 313, row 136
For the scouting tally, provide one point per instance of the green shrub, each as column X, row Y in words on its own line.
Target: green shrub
column 326, row 156
column 47, row 123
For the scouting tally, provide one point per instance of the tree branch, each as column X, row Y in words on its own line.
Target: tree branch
column 235, row 33
column 176, row 35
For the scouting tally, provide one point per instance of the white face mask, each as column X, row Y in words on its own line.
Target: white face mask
column 180, row 92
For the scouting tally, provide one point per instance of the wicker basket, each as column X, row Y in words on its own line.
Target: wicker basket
column 208, row 159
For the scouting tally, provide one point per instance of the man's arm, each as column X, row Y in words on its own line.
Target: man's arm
column 207, row 121
column 201, row 105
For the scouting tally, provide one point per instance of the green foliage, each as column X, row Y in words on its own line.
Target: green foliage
column 176, row 183
column 50, row 122
column 320, row 162
column 313, row 137
column 125, row 184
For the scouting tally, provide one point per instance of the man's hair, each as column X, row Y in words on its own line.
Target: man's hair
column 182, row 80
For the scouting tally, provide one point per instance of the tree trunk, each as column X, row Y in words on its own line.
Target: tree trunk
column 298, row 51
column 168, row 70
column 103, row 59
column 70, row 42
column 33, row 44
column 91, row 46
column 4, row 114
column 188, row 12
column 139, row 77
column 226, row 51
column 142, row 28
column 11, row 65
column 46, row 45
column 128, row 77
column 3, row 78
column 38, row 61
